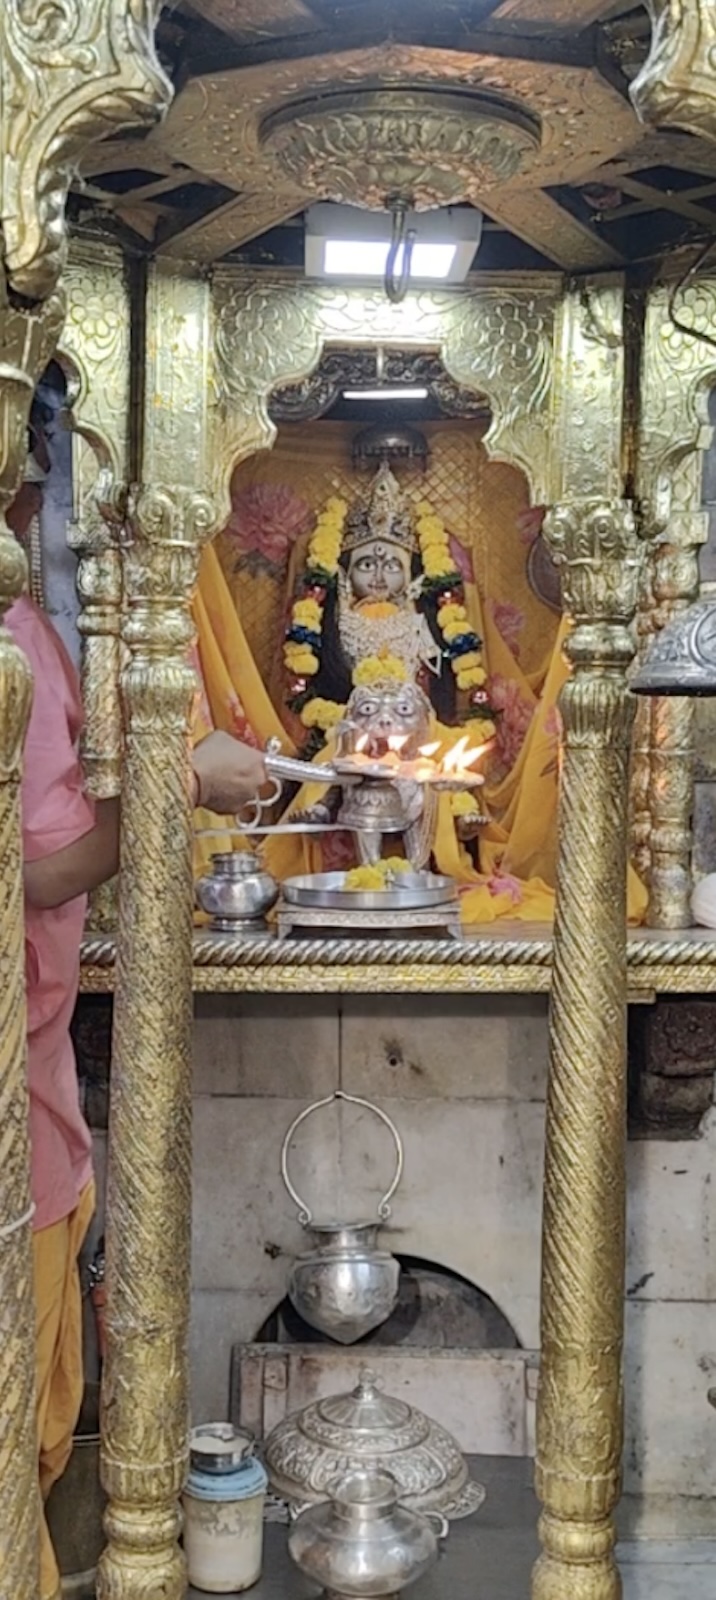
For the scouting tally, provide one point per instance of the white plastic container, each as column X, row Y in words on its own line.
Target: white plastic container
column 224, row 1527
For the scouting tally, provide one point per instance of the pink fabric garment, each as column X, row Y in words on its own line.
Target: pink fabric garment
column 55, row 813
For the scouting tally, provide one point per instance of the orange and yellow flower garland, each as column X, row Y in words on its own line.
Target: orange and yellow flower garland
column 462, row 645
column 302, row 650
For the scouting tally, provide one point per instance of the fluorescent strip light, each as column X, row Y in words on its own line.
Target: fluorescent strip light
column 368, row 258
column 385, row 394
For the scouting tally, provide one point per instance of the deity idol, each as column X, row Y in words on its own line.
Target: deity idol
column 380, row 620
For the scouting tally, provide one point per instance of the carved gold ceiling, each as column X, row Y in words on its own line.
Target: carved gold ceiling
column 519, row 107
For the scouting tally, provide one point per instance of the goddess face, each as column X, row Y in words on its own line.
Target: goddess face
column 379, row 570
column 380, row 711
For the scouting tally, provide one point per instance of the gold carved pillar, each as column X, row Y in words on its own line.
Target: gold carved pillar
column 145, row 1391
column 591, row 531
column 66, row 78
column 26, row 341
column 579, row 1440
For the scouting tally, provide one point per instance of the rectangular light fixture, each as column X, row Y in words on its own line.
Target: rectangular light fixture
column 385, row 394
column 366, row 258
column 342, row 242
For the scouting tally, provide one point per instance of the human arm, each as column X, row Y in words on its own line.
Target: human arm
column 226, row 774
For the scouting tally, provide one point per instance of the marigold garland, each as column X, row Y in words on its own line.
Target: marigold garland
column 462, row 645
column 302, row 650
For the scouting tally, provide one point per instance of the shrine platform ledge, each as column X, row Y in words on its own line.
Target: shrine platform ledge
column 504, row 958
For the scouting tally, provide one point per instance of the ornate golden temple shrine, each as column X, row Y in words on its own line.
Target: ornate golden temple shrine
column 548, row 484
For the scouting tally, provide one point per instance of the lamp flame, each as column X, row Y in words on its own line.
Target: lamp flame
column 461, row 757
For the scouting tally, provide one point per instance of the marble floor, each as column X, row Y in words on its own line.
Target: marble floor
column 490, row 1557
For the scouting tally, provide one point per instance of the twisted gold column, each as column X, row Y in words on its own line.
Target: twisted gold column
column 579, row 1426
column 26, row 340
column 145, row 1390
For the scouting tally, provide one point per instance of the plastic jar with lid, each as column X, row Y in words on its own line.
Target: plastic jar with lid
column 224, row 1526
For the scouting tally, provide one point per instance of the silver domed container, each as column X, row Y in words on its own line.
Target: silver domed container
column 367, row 1431
column 237, row 894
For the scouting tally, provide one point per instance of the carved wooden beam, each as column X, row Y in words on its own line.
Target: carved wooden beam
column 256, row 16
column 570, row 14
column 240, row 219
column 537, row 219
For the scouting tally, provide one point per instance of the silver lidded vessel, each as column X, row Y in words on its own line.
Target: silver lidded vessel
column 362, row 1544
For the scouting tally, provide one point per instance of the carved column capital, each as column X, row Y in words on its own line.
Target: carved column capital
column 677, row 85
column 69, row 74
column 596, row 544
column 165, row 531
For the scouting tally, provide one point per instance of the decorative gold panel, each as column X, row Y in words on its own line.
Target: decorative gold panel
column 271, row 329
column 176, row 447
column 676, row 86
column 496, row 964
column 70, row 72
column 365, row 146
column 588, row 390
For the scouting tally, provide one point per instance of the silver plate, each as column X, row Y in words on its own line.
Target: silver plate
column 326, row 891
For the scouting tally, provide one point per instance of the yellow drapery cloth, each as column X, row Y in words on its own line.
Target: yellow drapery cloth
column 231, row 695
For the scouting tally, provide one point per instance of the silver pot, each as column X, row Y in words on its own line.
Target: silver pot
column 237, row 894
column 363, row 1544
column 345, row 1285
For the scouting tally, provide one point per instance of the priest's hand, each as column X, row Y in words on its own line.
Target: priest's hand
column 227, row 774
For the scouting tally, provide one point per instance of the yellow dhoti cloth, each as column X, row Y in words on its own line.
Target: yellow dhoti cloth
column 59, row 1376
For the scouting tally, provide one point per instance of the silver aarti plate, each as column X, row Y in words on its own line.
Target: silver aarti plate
column 410, row 891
